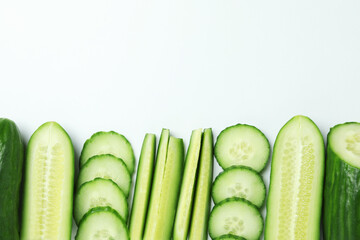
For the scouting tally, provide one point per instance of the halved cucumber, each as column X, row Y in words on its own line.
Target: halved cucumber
column 106, row 166
column 100, row 193
column 102, row 223
column 236, row 216
column 49, row 182
column 229, row 237
column 242, row 144
column 109, row 143
column 239, row 181
column 296, row 182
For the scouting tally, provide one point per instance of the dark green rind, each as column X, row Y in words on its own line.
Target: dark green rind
column 341, row 216
column 11, row 165
column 229, row 237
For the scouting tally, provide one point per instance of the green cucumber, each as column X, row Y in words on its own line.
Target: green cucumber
column 11, row 165
column 239, row 181
column 187, row 190
column 100, row 193
column 229, row 237
column 236, row 216
column 165, row 191
column 106, row 166
column 342, row 183
column 242, row 144
column 49, row 183
column 296, row 182
column 102, row 223
column 109, row 143
column 142, row 187
column 201, row 209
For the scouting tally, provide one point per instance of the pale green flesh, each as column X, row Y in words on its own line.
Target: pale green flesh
column 184, row 208
column 47, row 212
column 200, row 214
column 294, row 204
column 142, row 188
column 100, row 193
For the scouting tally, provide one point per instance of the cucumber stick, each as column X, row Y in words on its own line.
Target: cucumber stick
column 296, row 182
column 49, row 182
column 342, row 183
column 11, row 163
column 166, row 186
column 201, row 210
column 142, row 187
column 184, row 208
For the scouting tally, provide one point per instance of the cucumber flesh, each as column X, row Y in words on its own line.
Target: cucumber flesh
column 296, row 182
column 229, row 237
column 106, row 166
column 142, row 187
column 239, row 181
column 109, row 143
column 100, row 193
column 242, row 144
column 102, row 223
column 47, row 212
column 201, row 210
column 236, row 216
column 187, row 190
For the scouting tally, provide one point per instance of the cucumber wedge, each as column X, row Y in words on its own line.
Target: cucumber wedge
column 182, row 219
column 49, row 182
column 164, row 195
column 296, row 182
column 201, row 210
column 142, row 187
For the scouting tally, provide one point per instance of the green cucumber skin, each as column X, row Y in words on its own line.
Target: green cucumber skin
column 11, row 165
column 229, row 236
column 341, row 199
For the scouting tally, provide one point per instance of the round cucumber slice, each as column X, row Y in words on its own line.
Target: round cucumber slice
column 229, row 237
column 109, row 143
column 236, row 216
column 242, row 144
column 106, row 166
column 100, row 193
column 239, row 181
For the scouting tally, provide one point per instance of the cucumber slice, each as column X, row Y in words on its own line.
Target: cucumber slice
column 49, row 183
column 201, row 210
column 100, row 193
column 242, row 144
column 296, row 182
column 236, row 216
column 239, row 181
column 109, row 143
column 106, row 166
column 229, row 237
column 142, row 187
column 102, row 223
column 184, row 208
column 163, row 202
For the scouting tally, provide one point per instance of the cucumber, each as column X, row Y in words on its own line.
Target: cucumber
column 342, row 183
column 106, row 166
column 201, row 209
column 102, row 223
column 142, row 187
column 239, row 181
column 49, row 183
column 242, row 144
column 164, row 194
column 296, row 182
column 229, row 237
column 182, row 219
column 109, row 143
column 236, row 216
column 100, row 193
column 11, row 165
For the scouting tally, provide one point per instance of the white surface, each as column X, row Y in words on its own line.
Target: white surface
column 140, row 65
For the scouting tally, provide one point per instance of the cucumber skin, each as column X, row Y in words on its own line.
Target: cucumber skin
column 11, row 165
column 341, row 215
column 229, row 236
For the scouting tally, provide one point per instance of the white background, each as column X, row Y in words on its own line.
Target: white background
column 137, row 66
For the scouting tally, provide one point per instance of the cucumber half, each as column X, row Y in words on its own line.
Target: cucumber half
column 242, row 144
column 49, row 182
